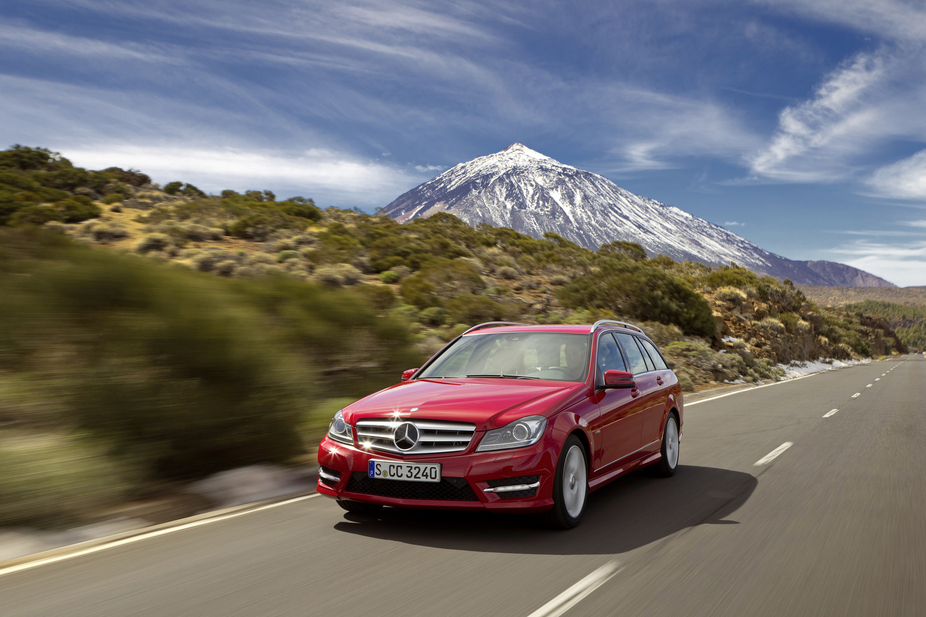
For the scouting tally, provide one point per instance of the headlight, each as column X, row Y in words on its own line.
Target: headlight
column 524, row 432
column 339, row 430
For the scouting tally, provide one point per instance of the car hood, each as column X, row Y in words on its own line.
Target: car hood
column 488, row 403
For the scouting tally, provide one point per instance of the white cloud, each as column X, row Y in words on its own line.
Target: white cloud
column 905, row 179
column 892, row 19
column 734, row 224
column 327, row 177
column 901, row 264
column 427, row 168
column 23, row 39
column 815, row 137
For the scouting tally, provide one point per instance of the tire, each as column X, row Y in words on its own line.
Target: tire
column 570, row 487
column 360, row 507
column 669, row 462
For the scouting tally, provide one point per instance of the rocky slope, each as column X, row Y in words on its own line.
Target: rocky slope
column 534, row 194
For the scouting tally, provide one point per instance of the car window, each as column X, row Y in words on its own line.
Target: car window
column 649, row 362
column 633, row 353
column 532, row 355
column 609, row 356
column 654, row 354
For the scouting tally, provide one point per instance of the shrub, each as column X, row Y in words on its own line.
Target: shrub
column 113, row 198
column 509, row 273
column 389, row 277
column 172, row 188
column 440, row 280
column 473, row 309
column 434, row 316
column 104, row 231
column 337, row 275
column 261, row 225
column 226, row 268
column 684, row 349
column 731, row 294
column 52, row 479
column 379, row 297
column 35, row 215
column 153, row 242
column 641, row 291
column 559, row 279
column 284, row 255
column 685, row 382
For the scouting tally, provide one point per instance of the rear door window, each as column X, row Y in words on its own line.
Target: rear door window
column 632, row 352
column 654, row 354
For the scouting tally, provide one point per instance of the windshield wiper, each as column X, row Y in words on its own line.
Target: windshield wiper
column 503, row 376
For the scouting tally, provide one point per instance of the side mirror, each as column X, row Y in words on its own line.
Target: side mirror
column 406, row 375
column 619, row 379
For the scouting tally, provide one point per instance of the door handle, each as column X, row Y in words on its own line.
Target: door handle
column 634, row 392
column 659, row 380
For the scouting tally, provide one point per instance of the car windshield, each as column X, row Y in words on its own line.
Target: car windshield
column 514, row 355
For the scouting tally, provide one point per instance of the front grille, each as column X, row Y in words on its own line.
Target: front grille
column 448, row 489
column 434, row 436
column 511, row 482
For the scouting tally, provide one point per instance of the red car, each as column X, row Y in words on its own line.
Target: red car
column 509, row 417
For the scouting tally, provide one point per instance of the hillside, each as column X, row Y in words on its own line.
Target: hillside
column 137, row 323
column 840, row 296
column 533, row 194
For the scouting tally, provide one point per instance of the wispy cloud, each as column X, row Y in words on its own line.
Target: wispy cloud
column 815, row 139
column 891, row 19
column 902, row 264
column 734, row 224
column 323, row 175
column 905, row 179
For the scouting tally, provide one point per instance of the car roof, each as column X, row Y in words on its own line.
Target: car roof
column 559, row 328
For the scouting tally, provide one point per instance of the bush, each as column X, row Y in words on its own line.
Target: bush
column 54, row 479
column 113, row 198
column 508, row 273
column 434, row 316
column 35, row 215
column 104, row 231
column 338, row 275
column 642, row 291
column 284, row 255
column 389, row 277
column 684, row 349
column 379, row 297
column 473, row 309
column 262, row 225
column 440, row 280
column 731, row 294
column 153, row 242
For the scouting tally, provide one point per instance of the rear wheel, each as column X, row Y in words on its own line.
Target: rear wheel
column 360, row 507
column 570, row 487
column 669, row 462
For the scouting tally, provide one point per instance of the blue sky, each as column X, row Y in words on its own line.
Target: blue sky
column 798, row 124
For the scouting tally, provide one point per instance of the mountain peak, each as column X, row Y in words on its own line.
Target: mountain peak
column 532, row 193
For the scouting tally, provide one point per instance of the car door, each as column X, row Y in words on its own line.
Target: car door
column 647, row 382
column 620, row 422
column 656, row 406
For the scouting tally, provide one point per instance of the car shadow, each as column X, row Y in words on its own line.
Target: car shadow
column 625, row 515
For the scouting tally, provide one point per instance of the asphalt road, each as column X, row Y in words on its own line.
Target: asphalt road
column 834, row 525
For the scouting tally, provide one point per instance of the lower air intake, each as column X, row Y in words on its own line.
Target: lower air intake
column 448, row 489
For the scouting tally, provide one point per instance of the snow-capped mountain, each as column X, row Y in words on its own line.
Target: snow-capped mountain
column 533, row 194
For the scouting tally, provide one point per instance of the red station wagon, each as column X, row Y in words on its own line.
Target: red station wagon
column 509, row 417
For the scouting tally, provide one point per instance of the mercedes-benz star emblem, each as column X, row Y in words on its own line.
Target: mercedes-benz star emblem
column 406, row 436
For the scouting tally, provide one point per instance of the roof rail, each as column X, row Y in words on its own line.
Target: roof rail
column 492, row 324
column 623, row 324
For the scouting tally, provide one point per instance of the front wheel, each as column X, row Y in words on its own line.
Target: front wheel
column 669, row 462
column 570, row 487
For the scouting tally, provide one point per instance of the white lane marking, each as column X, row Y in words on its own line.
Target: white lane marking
column 575, row 594
column 771, row 456
column 830, row 413
column 144, row 536
column 856, row 395
column 869, row 385
column 877, row 379
column 768, row 385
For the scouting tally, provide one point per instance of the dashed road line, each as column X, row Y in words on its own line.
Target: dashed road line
column 575, row 594
column 856, row 395
column 830, row 413
column 877, row 379
column 869, row 385
column 771, row 456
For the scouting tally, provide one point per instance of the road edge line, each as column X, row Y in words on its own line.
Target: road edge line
column 89, row 547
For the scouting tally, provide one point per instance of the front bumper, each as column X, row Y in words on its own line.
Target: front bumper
column 469, row 480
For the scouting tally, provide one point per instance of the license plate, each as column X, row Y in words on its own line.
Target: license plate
column 414, row 472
